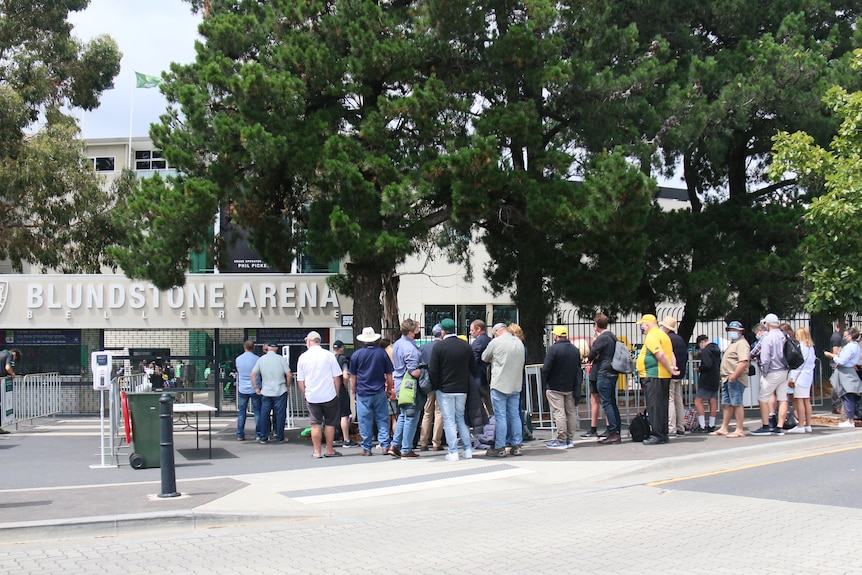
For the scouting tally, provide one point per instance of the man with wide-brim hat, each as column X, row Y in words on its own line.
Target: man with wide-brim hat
column 676, row 405
column 370, row 372
column 734, row 379
column 656, row 365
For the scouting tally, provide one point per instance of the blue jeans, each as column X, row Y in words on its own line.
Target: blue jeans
column 507, row 416
column 405, row 428
column 278, row 406
column 607, row 386
column 371, row 408
column 452, row 407
column 242, row 408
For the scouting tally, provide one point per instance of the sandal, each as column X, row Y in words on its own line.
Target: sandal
column 333, row 454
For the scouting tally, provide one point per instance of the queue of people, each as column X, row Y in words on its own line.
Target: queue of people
column 464, row 383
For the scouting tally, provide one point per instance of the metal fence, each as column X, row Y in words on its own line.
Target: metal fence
column 32, row 396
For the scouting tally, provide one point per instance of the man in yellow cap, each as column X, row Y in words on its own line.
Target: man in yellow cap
column 656, row 365
column 561, row 373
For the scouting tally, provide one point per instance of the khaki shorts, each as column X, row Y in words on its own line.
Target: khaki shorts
column 774, row 382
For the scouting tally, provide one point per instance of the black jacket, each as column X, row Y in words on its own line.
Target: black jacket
column 561, row 370
column 602, row 355
column 710, row 362
column 451, row 366
column 680, row 352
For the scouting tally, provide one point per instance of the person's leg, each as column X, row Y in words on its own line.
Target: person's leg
column 701, row 412
column 808, row 414
column 571, row 417
column 657, row 401
column 446, row 401
column 736, row 393
column 427, row 425
column 556, row 400
column 595, row 404
column 280, row 406
column 713, row 411
column 365, row 417
column 513, row 418
column 463, row 428
column 437, row 433
column 316, row 438
column 398, row 436
column 241, row 408
column 381, row 413
column 258, row 420
column 608, row 398
column 267, row 405
column 727, row 410
column 499, row 401
column 675, row 411
column 409, row 431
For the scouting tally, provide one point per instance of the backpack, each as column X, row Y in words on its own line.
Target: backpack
column 793, row 357
column 425, row 379
column 639, row 428
column 622, row 361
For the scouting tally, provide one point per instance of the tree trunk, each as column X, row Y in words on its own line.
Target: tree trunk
column 367, row 308
column 391, row 323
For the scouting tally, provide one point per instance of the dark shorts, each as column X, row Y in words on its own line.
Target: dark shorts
column 325, row 413
column 594, row 387
column 344, row 402
column 706, row 393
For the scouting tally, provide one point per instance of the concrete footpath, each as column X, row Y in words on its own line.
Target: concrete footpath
column 48, row 488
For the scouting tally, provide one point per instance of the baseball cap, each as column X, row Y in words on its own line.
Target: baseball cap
column 437, row 329
column 271, row 344
column 647, row 318
column 561, row 331
column 312, row 336
column 734, row 325
column 770, row 319
column 337, row 344
column 448, row 325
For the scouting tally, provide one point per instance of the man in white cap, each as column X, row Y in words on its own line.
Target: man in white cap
column 774, row 374
column 371, row 380
column 318, row 376
column 676, row 405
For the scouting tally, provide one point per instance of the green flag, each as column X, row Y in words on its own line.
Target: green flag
column 145, row 81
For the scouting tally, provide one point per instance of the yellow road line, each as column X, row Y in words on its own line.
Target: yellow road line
column 752, row 466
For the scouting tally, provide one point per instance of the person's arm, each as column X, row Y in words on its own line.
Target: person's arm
column 301, row 384
column 741, row 367
column 663, row 359
column 353, row 385
column 390, row 384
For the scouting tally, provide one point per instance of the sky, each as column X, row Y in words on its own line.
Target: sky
column 151, row 35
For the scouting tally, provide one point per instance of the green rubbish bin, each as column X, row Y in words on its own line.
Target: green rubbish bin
column 144, row 411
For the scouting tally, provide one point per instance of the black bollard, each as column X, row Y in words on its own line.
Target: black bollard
column 166, row 446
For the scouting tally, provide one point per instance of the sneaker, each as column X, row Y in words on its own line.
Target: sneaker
column 451, row 457
column 776, row 431
column 808, row 429
column 570, row 445
column 680, row 433
column 240, row 438
column 349, row 443
column 710, row 428
column 590, row 435
column 796, row 429
column 517, row 450
column 603, row 434
column 763, row 430
column 468, row 454
column 493, row 452
column 556, row 444
column 848, row 423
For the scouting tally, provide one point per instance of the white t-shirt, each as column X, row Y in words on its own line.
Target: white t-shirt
column 317, row 367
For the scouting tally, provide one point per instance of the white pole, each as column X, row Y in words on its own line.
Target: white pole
column 131, row 113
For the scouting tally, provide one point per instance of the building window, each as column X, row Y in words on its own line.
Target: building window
column 468, row 313
column 103, row 163
column 434, row 314
column 150, row 160
column 505, row 314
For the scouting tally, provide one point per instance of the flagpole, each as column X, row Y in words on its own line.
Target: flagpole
column 131, row 114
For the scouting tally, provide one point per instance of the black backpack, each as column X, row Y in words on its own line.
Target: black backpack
column 793, row 357
column 639, row 428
